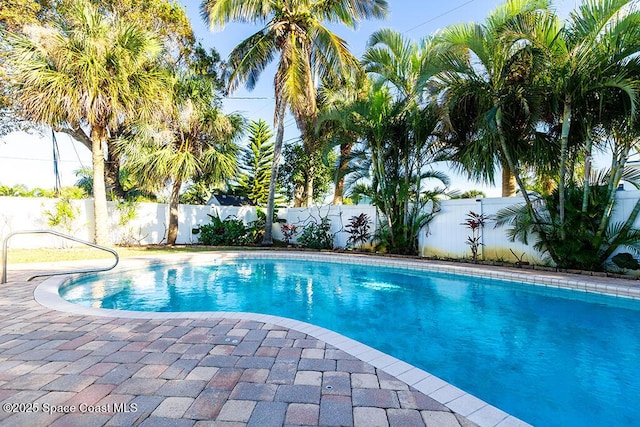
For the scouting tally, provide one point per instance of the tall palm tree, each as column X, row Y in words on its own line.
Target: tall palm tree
column 194, row 138
column 307, row 49
column 92, row 69
column 336, row 96
column 168, row 20
column 591, row 72
column 14, row 15
column 594, row 59
column 407, row 68
column 489, row 104
column 383, row 125
column 164, row 18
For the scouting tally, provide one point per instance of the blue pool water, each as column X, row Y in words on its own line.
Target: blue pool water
column 550, row 357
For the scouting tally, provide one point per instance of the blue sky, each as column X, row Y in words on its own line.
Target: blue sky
column 415, row 18
column 27, row 159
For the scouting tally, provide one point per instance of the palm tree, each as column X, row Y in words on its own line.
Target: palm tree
column 490, row 101
column 407, row 68
column 14, row 15
column 337, row 96
column 594, row 60
column 92, row 69
column 591, row 67
column 400, row 63
column 164, row 18
column 591, row 73
column 383, row 126
column 194, row 138
column 169, row 22
column 308, row 51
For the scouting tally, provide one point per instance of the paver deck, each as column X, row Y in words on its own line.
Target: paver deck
column 58, row 369
column 63, row 369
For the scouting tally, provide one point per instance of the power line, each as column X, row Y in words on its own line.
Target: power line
column 265, row 105
column 56, row 159
column 440, row 16
column 73, row 144
column 35, row 160
column 249, row 97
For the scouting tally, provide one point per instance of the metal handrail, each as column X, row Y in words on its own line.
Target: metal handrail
column 65, row 236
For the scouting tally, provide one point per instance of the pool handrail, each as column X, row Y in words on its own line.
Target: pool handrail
column 64, row 236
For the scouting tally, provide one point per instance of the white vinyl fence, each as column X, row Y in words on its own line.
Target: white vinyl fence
column 151, row 221
column 445, row 236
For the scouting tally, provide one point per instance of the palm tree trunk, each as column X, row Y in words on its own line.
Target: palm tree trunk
column 523, row 190
column 267, row 240
column 310, row 178
column 174, row 200
column 100, row 215
column 586, row 187
column 620, row 157
column 509, row 183
column 564, row 153
column 299, row 195
column 407, row 183
column 338, row 192
column 587, row 177
column 311, row 154
column 112, row 173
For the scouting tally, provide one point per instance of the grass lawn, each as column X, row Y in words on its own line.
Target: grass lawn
column 20, row 256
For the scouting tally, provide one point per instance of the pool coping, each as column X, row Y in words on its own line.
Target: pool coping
column 465, row 404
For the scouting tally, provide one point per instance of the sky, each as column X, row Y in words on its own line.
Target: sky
column 27, row 158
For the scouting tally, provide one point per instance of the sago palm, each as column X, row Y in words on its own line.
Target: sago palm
column 91, row 69
column 307, row 51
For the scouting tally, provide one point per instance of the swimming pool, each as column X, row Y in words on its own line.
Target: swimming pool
column 547, row 356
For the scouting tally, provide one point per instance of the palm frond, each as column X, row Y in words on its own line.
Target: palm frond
column 250, row 58
column 331, row 57
column 217, row 13
column 349, row 12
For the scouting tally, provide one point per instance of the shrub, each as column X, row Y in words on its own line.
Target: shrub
column 317, row 236
column 128, row 211
column 63, row 215
column 255, row 229
column 358, row 229
column 288, row 231
column 475, row 223
column 230, row 232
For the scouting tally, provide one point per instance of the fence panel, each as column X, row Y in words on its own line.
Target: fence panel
column 445, row 236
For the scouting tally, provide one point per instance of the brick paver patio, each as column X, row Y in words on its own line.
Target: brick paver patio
column 59, row 369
